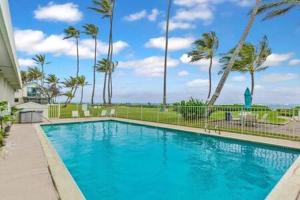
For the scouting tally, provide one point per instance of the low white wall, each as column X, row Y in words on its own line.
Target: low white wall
column 7, row 93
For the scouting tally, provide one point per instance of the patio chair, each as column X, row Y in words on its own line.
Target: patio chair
column 86, row 113
column 75, row 114
column 112, row 113
column 103, row 113
column 249, row 119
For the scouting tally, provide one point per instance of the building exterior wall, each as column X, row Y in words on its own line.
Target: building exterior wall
column 7, row 92
column 10, row 78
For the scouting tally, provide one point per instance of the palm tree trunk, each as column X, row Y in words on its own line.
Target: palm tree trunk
column 77, row 73
column 42, row 81
column 94, row 68
column 81, row 98
column 77, row 55
column 108, row 64
column 104, row 88
column 209, row 75
column 166, row 53
column 234, row 55
column 111, row 54
column 252, row 84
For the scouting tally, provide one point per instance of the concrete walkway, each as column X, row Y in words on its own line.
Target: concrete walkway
column 24, row 171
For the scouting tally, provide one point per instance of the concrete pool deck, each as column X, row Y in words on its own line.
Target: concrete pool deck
column 32, row 136
column 23, row 167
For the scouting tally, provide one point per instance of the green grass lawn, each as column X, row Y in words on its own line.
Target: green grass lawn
column 154, row 114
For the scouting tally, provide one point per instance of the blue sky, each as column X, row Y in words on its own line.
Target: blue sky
column 138, row 37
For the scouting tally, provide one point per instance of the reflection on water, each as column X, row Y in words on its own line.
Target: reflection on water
column 114, row 160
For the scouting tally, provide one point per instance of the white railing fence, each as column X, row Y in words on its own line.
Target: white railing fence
column 260, row 120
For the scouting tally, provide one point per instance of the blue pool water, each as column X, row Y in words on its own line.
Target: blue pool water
column 121, row 161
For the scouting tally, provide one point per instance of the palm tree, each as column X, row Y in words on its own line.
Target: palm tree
column 71, row 83
column 34, row 74
column 166, row 53
column 24, row 77
column 40, row 60
column 92, row 30
column 72, row 32
column 277, row 8
column 235, row 54
column 106, row 9
column 53, row 89
column 69, row 94
column 102, row 66
column 205, row 48
column 250, row 60
column 52, row 79
column 81, row 80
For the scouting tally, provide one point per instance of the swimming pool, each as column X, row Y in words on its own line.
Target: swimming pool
column 117, row 160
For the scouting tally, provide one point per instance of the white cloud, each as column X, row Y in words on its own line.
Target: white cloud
column 191, row 10
column 25, row 62
column 202, row 64
column 149, row 67
column 294, row 62
column 277, row 59
column 136, row 16
column 201, row 12
column 35, row 41
column 191, row 3
column 68, row 12
column 153, row 15
column 173, row 25
column 278, row 77
column 239, row 78
column 175, row 43
column 197, row 83
column 183, row 73
column 143, row 14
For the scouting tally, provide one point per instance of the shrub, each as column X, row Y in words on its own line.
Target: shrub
column 191, row 109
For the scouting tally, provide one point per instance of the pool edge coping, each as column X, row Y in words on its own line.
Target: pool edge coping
column 288, row 187
column 63, row 181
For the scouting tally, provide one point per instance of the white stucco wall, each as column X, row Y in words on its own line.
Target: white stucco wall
column 7, row 93
column 10, row 79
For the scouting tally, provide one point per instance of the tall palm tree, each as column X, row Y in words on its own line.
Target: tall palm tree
column 40, row 60
column 92, row 30
column 235, row 53
column 250, row 60
column 72, row 32
column 205, row 48
column 106, row 9
column 102, row 66
column 166, row 53
column 275, row 8
column 81, row 80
